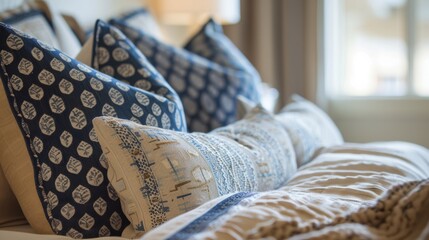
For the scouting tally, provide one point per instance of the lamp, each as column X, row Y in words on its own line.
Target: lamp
column 191, row 12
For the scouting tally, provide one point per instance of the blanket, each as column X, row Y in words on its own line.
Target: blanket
column 354, row 191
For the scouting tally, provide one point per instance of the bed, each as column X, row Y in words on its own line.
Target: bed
column 169, row 168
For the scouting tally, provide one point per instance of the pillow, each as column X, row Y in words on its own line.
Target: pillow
column 113, row 54
column 61, row 182
column 309, row 128
column 37, row 19
column 159, row 174
column 79, row 31
column 208, row 89
column 141, row 18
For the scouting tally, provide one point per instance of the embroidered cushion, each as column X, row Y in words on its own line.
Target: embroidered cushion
column 159, row 174
column 208, row 89
column 54, row 99
column 309, row 128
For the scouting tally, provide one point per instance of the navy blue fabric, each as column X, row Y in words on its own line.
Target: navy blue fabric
column 208, row 88
column 207, row 218
column 54, row 99
column 115, row 55
column 211, row 43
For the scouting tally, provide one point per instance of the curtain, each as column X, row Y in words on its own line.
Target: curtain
column 280, row 38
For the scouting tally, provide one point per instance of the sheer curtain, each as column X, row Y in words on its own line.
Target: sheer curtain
column 280, row 38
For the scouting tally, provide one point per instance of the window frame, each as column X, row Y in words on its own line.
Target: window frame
column 330, row 70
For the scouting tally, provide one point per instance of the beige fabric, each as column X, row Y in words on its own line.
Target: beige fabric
column 25, row 232
column 67, row 40
column 10, row 214
column 85, row 54
column 17, row 167
column 149, row 166
column 309, row 128
column 366, row 191
column 127, row 179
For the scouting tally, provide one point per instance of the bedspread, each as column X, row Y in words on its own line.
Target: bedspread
column 354, row 191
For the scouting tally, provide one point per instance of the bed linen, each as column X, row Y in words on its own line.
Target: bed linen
column 366, row 191
column 361, row 191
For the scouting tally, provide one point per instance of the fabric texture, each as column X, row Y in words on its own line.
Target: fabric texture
column 354, row 191
column 208, row 88
column 160, row 174
column 11, row 214
column 37, row 19
column 61, row 180
column 309, row 127
column 142, row 18
column 113, row 54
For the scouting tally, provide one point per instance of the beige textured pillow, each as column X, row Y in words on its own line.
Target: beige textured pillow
column 160, row 174
column 12, row 147
column 309, row 128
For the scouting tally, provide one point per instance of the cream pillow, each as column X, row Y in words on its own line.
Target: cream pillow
column 159, row 174
column 309, row 128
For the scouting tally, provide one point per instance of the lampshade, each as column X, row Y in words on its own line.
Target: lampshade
column 187, row 12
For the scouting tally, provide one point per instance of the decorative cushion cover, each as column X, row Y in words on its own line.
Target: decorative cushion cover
column 309, row 128
column 159, row 174
column 208, row 89
column 54, row 99
column 211, row 43
column 116, row 56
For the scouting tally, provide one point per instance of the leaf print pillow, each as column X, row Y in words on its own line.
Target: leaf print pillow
column 48, row 101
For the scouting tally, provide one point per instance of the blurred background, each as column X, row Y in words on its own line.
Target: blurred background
column 366, row 62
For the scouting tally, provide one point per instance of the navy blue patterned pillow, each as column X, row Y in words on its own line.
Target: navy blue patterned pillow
column 208, row 90
column 115, row 55
column 54, row 99
column 211, row 43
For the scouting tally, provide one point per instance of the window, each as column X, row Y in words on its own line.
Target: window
column 377, row 47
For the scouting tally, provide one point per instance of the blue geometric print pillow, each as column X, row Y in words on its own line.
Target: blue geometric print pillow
column 54, row 99
column 115, row 55
column 208, row 90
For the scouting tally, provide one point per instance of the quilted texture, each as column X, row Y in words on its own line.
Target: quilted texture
column 159, row 174
column 116, row 56
column 208, row 88
column 54, row 99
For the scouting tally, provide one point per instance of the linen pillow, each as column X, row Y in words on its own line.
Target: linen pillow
column 60, row 182
column 309, row 128
column 37, row 19
column 159, row 174
column 208, row 89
